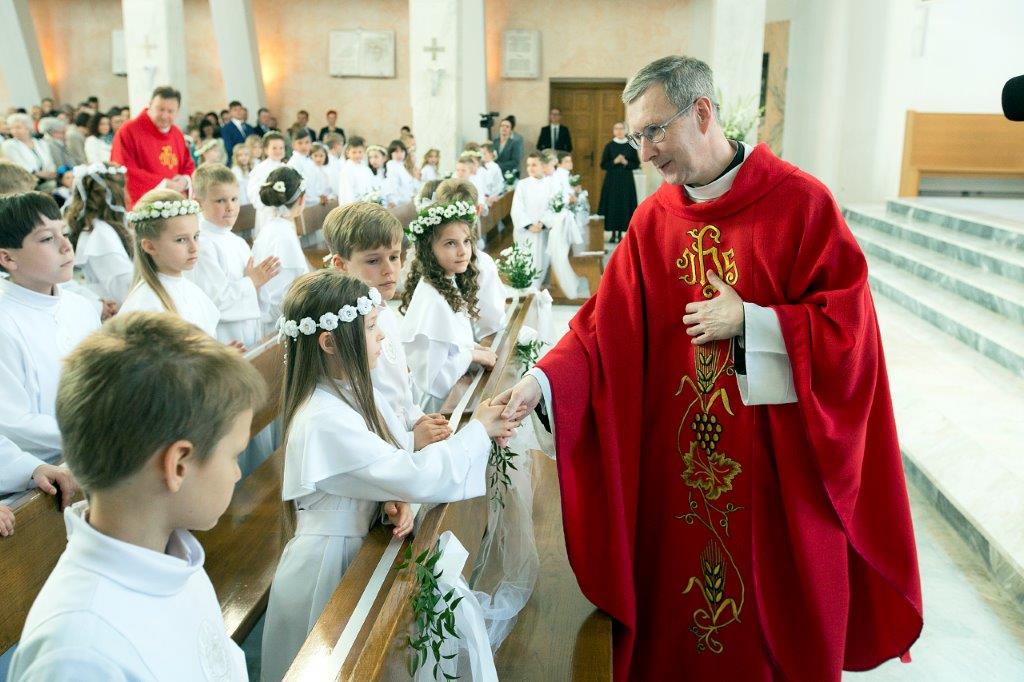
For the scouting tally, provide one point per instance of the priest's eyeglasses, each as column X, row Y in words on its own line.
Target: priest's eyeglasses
column 655, row 133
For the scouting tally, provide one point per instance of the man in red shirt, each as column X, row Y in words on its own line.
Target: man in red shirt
column 153, row 149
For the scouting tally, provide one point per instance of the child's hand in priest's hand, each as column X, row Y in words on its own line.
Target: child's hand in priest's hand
column 400, row 514
column 521, row 399
column 6, row 521
column 49, row 478
column 430, row 428
column 717, row 319
column 496, row 425
column 485, row 357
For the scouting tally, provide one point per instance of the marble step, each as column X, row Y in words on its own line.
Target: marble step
column 976, row 251
column 998, row 294
column 958, row 416
column 992, row 219
column 994, row 336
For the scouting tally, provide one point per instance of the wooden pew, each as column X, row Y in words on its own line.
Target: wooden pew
column 245, row 223
column 312, row 221
column 378, row 652
column 242, row 550
column 500, row 210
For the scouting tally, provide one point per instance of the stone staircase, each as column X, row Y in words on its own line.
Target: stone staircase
column 949, row 290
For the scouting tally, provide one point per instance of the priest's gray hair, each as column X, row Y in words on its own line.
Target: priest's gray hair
column 685, row 79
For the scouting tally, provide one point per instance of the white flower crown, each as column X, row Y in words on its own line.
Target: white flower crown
column 164, row 209
column 84, row 170
column 435, row 214
column 328, row 321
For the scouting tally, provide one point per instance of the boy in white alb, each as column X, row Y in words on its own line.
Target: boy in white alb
column 316, row 180
column 128, row 598
column 335, row 144
column 40, row 321
column 356, row 180
column 365, row 240
column 494, row 179
column 531, row 213
column 226, row 271
column 166, row 247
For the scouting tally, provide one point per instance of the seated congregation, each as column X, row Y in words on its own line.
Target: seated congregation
column 189, row 360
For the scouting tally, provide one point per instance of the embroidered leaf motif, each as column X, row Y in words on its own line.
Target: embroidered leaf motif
column 713, row 474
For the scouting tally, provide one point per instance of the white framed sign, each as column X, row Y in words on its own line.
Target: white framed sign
column 520, row 54
column 362, row 54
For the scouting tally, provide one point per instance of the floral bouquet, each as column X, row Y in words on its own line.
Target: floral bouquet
column 373, row 196
column 516, row 265
column 557, row 203
column 528, row 347
column 510, row 179
column 574, row 180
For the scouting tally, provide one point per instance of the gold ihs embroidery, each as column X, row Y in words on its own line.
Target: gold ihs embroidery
column 695, row 267
column 168, row 157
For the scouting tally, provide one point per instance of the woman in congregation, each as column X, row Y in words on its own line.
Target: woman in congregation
column 100, row 140
column 618, row 193
column 28, row 152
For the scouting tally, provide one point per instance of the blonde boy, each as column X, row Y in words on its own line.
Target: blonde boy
column 153, row 414
column 225, row 270
column 365, row 240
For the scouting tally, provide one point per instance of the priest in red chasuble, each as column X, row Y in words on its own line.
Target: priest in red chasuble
column 732, row 489
column 153, row 149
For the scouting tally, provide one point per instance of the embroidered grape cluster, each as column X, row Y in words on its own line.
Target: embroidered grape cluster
column 706, row 430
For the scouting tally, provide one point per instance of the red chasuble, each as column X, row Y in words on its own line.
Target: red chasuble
column 732, row 542
column 150, row 155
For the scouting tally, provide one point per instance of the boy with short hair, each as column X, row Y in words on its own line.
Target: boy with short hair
column 225, row 270
column 495, row 180
column 302, row 144
column 365, row 240
column 129, row 598
column 356, row 178
column 335, row 144
column 40, row 322
column 531, row 213
column 467, row 168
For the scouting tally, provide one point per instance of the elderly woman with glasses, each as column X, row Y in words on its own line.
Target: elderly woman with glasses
column 618, row 193
column 28, row 152
column 731, row 480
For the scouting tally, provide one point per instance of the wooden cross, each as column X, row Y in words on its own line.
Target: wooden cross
column 433, row 49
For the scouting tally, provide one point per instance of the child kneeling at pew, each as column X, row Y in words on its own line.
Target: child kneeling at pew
column 153, row 414
column 347, row 451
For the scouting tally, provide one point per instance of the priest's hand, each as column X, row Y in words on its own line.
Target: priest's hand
column 521, row 399
column 496, row 425
column 49, row 478
column 400, row 514
column 6, row 521
column 431, row 428
column 717, row 319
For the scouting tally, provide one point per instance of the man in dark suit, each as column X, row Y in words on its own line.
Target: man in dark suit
column 236, row 129
column 555, row 136
column 263, row 126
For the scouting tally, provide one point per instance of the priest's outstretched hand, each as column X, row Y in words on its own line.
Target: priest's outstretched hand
column 495, row 423
column 521, row 399
column 719, row 318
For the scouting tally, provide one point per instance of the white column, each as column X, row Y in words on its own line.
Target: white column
column 730, row 38
column 239, row 52
column 22, row 61
column 447, row 74
column 154, row 50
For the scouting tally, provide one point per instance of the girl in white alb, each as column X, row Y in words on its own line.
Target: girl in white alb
column 166, row 246
column 347, row 452
column 284, row 193
column 440, row 302
column 400, row 186
column 96, row 223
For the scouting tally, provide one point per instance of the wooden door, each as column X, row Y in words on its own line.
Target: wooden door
column 589, row 110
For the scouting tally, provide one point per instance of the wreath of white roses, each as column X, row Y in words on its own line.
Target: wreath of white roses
column 328, row 321
column 164, row 209
column 84, row 170
column 436, row 214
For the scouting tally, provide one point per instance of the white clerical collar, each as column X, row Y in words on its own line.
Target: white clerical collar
column 721, row 185
column 619, row 140
column 26, row 297
column 136, row 568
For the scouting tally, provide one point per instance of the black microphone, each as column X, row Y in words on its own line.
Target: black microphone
column 1013, row 99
